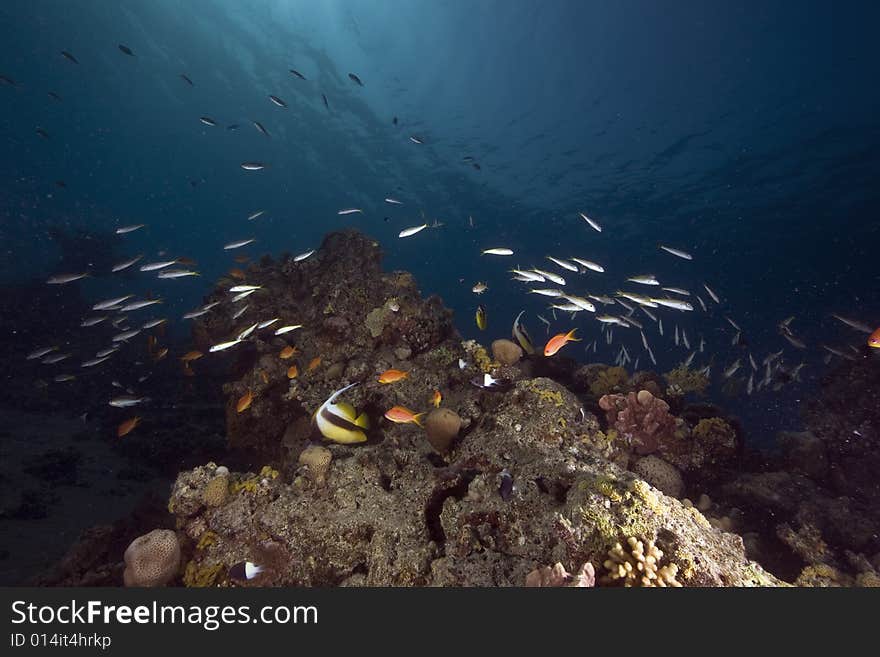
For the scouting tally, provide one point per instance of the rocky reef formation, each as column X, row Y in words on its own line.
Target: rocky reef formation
column 561, row 476
column 525, row 479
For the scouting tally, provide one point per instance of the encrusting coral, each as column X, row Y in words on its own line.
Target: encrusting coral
column 660, row 474
column 639, row 566
column 609, row 380
column 216, row 491
column 317, row 458
column 641, row 418
column 152, row 559
column 684, row 380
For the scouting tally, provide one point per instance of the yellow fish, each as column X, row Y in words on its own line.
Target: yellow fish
column 481, row 318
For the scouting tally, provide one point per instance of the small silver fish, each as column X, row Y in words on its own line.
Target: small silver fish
column 253, row 166
column 408, row 232
column 129, row 229
column 565, row 264
column 153, row 323
column 56, row 358
column 111, row 303
column 61, row 279
column 267, row 323
column 39, row 353
column 243, row 295
column 91, row 321
column 137, row 305
column 224, row 345
column 499, row 251
column 593, row 224
column 644, row 279
column 393, row 201
column 277, row 101
column 246, row 333
column 588, row 264
column 345, row 211
column 126, row 335
column 125, row 264
column 303, row 256
column 711, row 293
column 207, row 120
column 245, row 288
column 241, row 311
column 178, row 273
column 95, row 361
column 676, row 290
column 550, row 276
column 677, row 252
column 128, row 401
column 239, row 244
column 153, row 266
column 256, row 215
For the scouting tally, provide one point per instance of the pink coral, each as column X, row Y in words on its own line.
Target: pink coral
column 641, row 418
column 558, row 576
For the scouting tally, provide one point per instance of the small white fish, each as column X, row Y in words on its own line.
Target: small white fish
column 245, row 288
column 645, row 279
column 243, row 295
column 137, row 305
column 499, row 251
column 129, row 229
column 711, row 294
column 702, row 344
column 256, row 215
column 854, row 323
column 690, row 359
column 528, row 275
column 595, row 226
column 252, row 166
column 224, row 345
column 153, row 266
column 676, row 290
column 637, row 298
column 111, row 303
column 287, row 329
column 108, row 351
column 651, row 354
column 192, row 314
column 588, row 264
column 125, row 264
column 730, row 371
column 61, row 279
column 547, row 292
column 91, row 321
column 246, row 333
column 393, row 201
column 119, row 321
column 676, row 335
column 345, row 211
column 732, row 323
column 677, row 252
column 208, row 306
column 550, row 276
column 611, row 319
column 239, row 244
column 126, row 335
column 752, row 362
column 57, row 358
column 580, row 303
column 303, row 256
column 462, row 363
column 64, row 378
column 677, row 304
column 178, row 273
column 207, row 120
column 238, row 313
column 408, row 232
column 127, row 402
column 684, row 339
column 416, row 140
column 660, row 325
column 750, row 386
column 563, row 263
column 95, row 361
column 651, row 315
column 267, row 323
column 153, row 323
column 607, row 301
column 644, row 340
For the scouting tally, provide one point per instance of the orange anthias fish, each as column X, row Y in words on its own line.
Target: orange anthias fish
column 557, row 342
column 287, row 352
column 191, row 355
column 237, row 274
column 292, row 371
column 314, row 363
column 402, row 415
column 390, row 376
column 436, row 398
column 128, row 426
column 245, row 402
column 874, row 339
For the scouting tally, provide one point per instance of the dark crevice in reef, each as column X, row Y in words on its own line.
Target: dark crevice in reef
column 457, row 488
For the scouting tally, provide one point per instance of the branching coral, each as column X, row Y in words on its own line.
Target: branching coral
column 609, row 380
column 684, row 380
column 639, row 566
column 641, row 418
column 558, row 576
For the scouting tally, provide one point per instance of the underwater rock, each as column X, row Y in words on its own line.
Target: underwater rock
column 152, row 559
column 660, row 474
column 441, row 428
column 506, row 352
column 393, row 515
column 804, row 452
column 558, row 576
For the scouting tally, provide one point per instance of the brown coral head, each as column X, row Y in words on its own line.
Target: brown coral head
column 441, row 427
column 152, row 559
column 318, row 459
column 506, row 352
column 645, row 397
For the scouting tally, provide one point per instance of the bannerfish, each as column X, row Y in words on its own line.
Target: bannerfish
column 339, row 422
column 521, row 335
column 481, row 318
column 558, row 341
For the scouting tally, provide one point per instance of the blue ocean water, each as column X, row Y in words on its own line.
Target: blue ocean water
column 744, row 133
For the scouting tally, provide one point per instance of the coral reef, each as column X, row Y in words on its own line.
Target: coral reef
column 642, row 419
column 684, row 380
column 557, row 576
column 640, row 566
column 660, row 474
